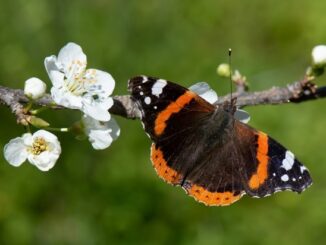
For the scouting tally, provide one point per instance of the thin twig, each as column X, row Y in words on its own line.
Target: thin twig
column 296, row 92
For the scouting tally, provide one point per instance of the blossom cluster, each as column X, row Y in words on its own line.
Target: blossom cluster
column 74, row 87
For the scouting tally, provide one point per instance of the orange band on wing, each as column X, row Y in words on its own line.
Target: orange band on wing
column 174, row 107
column 163, row 170
column 213, row 198
column 261, row 174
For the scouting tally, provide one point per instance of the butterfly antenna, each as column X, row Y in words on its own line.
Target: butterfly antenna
column 230, row 75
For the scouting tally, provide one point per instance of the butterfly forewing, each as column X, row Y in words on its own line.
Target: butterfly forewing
column 160, row 100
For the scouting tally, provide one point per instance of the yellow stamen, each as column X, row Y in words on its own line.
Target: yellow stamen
column 39, row 146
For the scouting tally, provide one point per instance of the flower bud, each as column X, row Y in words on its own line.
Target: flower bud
column 223, row 70
column 319, row 55
column 34, row 88
column 38, row 122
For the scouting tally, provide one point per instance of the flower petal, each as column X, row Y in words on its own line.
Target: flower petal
column 97, row 110
column 15, row 151
column 115, row 129
column 204, row 91
column 65, row 98
column 28, row 139
column 90, row 123
column 100, row 134
column 44, row 161
column 101, row 82
column 49, row 137
column 54, row 71
column 100, row 139
column 72, row 59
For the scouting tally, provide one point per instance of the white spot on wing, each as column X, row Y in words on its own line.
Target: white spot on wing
column 285, row 177
column 147, row 100
column 158, row 87
column 302, row 169
column 155, row 107
column 141, row 93
column 288, row 161
column 144, row 79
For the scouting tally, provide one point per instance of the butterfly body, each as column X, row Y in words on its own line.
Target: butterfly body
column 203, row 148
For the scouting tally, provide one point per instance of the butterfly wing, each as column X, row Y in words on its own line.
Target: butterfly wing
column 159, row 101
column 214, row 157
column 275, row 168
column 162, row 105
column 248, row 162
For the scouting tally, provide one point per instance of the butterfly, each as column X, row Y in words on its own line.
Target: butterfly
column 204, row 149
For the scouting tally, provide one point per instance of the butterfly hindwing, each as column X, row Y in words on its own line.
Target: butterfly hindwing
column 277, row 169
column 248, row 161
column 204, row 149
column 198, row 158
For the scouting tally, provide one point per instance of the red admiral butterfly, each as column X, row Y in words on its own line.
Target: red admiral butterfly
column 203, row 148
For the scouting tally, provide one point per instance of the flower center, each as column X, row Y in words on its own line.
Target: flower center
column 76, row 87
column 39, row 146
column 75, row 78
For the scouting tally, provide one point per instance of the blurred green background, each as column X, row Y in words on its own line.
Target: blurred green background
column 114, row 196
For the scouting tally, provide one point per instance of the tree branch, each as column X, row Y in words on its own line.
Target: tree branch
column 10, row 98
column 296, row 92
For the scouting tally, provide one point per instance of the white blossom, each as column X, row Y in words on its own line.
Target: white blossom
column 34, row 88
column 100, row 134
column 319, row 55
column 76, row 87
column 41, row 149
column 207, row 93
